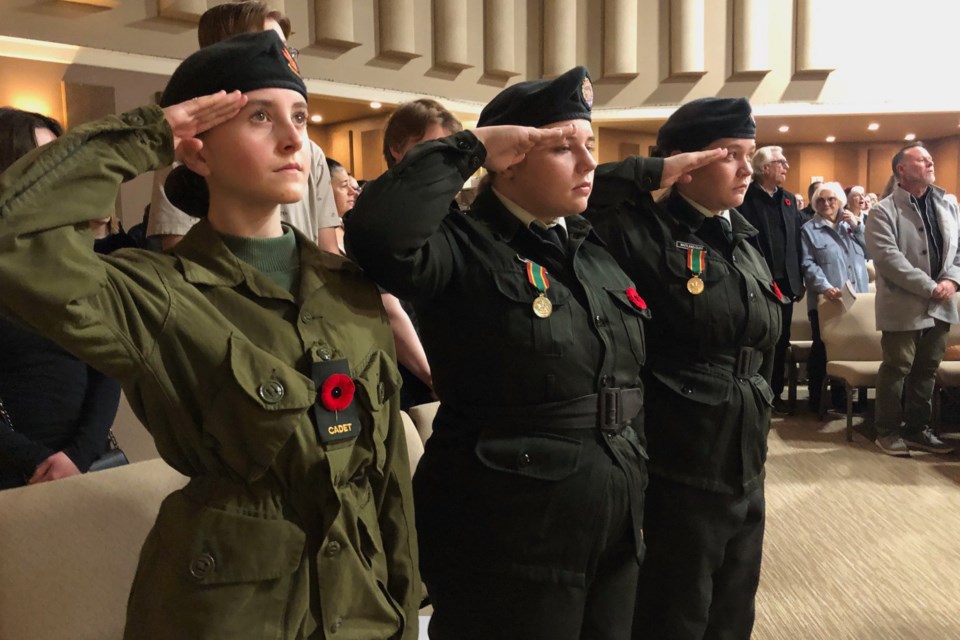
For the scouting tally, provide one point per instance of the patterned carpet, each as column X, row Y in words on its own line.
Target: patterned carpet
column 859, row 545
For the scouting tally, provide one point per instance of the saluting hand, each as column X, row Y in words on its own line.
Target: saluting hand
column 677, row 168
column 195, row 116
column 508, row 145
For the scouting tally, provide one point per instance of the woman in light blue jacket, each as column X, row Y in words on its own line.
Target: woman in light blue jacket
column 833, row 254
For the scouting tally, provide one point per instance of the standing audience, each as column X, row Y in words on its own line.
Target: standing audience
column 833, row 255
column 773, row 211
column 56, row 411
column 912, row 237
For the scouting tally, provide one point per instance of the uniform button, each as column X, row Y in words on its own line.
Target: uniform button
column 325, row 352
column 525, row 459
column 464, row 144
column 734, row 258
column 381, row 392
column 920, row 229
column 271, row 391
column 687, row 389
column 753, row 295
column 306, row 317
column 336, row 625
column 134, row 120
column 604, row 381
column 924, row 252
column 599, row 320
column 202, row 566
column 333, row 548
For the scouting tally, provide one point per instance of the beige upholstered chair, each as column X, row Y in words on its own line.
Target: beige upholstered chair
column 948, row 374
column 853, row 348
column 69, row 549
column 801, row 341
column 423, row 415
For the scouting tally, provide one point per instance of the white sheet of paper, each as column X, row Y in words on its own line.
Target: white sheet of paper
column 847, row 295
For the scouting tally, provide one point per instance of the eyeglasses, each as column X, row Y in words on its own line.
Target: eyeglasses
column 829, row 200
column 786, row 165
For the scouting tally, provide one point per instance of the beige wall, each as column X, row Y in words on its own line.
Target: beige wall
column 865, row 164
column 357, row 145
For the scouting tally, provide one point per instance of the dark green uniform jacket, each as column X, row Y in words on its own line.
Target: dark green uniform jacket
column 706, row 420
column 503, row 374
column 276, row 535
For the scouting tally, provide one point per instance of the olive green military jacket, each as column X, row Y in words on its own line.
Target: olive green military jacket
column 706, row 418
column 277, row 535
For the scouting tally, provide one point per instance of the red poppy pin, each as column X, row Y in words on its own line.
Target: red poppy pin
column 787, row 202
column 635, row 298
column 777, row 291
column 336, row 392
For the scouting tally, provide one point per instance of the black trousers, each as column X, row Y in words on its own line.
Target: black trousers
column 780, row 351
column 506, row 555
column 702, row 567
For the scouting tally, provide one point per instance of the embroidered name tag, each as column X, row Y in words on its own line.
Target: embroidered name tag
column 687, row 245
column 335, row 413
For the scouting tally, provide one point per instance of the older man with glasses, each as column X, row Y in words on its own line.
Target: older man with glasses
column 773, row 211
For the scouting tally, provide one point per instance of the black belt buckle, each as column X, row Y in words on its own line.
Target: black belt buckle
column 745, row 363
column 611, row 412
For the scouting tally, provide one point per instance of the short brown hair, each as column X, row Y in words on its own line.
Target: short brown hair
column 233, row 18
column 900, row 155
column 411, row 120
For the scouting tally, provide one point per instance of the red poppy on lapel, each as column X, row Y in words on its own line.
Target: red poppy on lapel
column 635, row 298
column 336, row 392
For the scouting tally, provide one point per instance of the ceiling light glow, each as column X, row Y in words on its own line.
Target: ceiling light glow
column 910, row 137
column 375, row 105
column 831, row 138
column 316, row 118
column 873, row 126
column 784, row 128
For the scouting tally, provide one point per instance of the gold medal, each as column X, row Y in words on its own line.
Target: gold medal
column 542, row 307
column 695, row 285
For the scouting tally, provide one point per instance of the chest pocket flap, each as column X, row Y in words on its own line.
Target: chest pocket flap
column 257, row 408
column 378, row 380
column 514, row 285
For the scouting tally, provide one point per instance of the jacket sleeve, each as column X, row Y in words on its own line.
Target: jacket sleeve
column 952, row 270
column 615, row 182
column 20, row 453
column 394, row 231
column 812, row 273
column 97, row 415
column 53, row 282
column 889, row 260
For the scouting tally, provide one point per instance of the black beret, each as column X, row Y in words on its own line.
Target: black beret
column 541, row 102
column 698, row 123
column 246, row 62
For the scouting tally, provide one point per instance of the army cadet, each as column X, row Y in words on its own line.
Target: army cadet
column 530, row 493
column 262, row 366
column 715, row 320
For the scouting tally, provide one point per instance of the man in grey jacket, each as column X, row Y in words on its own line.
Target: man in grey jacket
column 912, row 236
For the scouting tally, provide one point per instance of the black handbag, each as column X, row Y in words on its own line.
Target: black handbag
column 113, row 457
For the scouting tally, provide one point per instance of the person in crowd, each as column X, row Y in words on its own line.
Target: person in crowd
column 55, row 411
column 912, row 237
column 716, row 319
column 530, row 492
column 315, row 214
column 773, row 211
column 856, row 205
column 410, row 355
column 262, row 366
column 344, row 193
column 871, row 200
column 800, row 204
column 833, row 255
column 807, row 212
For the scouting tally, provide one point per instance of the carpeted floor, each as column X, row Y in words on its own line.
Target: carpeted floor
column 859, row 545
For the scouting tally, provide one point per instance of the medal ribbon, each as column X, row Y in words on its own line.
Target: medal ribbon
column 537, row 276
column 696, row 261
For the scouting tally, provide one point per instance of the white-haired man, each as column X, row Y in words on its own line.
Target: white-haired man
column 773, row 211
